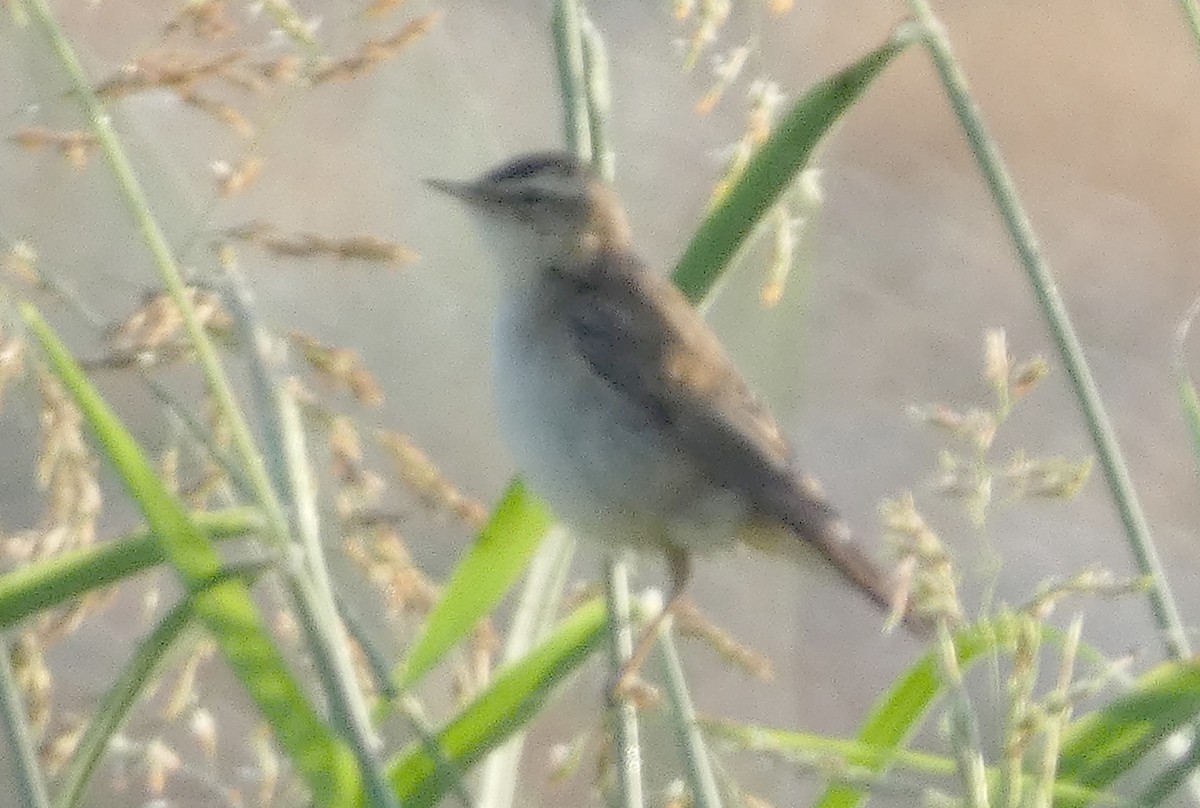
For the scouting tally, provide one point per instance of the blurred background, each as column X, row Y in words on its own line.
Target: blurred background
column 1095, row 106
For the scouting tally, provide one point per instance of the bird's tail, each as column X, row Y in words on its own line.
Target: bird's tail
column 814, row 527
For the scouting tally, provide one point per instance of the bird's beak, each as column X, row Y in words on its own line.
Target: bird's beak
column 464, row 191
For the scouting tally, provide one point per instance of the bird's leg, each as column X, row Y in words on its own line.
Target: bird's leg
column 680, row 567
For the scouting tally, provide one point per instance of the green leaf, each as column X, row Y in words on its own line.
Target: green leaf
column 225, row 606
column 1189, row 401
column 775, row 165
column 502, row 551
column 842, row 752
column 1101, row 746
column 897, row 715
column 515, row 696
column 139, row 674
column 49, row 582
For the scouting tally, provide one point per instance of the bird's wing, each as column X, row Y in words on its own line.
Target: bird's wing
column 641, row 335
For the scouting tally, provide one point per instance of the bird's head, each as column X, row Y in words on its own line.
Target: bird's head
column 542, row 210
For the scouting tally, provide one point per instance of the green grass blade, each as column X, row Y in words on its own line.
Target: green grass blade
column 842, row 752
column 498, row 557
column 1189, row 401
column 515, row 696
column 812, row 747
column 28, row 789
column 50, row 582
column 896, row 716
column 775, row 165
column 226, row 607
column 1101, row 746
column 141, row 671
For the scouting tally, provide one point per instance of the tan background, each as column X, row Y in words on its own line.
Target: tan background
column 1095, row 106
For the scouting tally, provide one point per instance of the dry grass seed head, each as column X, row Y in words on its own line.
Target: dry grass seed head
column 1048, row 478
column 726, row 69
column 705, row 29
column 183, row 694
column 33, row 677
column 55, row 753
column 383, row 558
column 160, row 761
column 66, row 471
column 204, row 729
column 75, row 146
column 234, row 179
column 176, row 70
column 691, row 622
column 375, row 52
column 158, row 320
column 381, row 8
column 422, row 477
column 339, row 368
column 311, row 245
column 1095, row 581
column 934, row 588
column 55, row 626
column 290, row 24
column 269, row 768
column 203, row 19
column 223, row 113
column 12, row 363
column 18, row 262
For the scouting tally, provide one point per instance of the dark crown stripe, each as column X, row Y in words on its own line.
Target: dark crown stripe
column 552, row 163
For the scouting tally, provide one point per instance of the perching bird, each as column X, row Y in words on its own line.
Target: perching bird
column 622, row 409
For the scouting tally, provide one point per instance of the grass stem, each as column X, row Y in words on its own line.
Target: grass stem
column 30, row 791
column 1054, row 310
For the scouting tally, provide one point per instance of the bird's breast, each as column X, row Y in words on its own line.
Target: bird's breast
column 601, row 462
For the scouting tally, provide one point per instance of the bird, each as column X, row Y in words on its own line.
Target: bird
column 624, row 413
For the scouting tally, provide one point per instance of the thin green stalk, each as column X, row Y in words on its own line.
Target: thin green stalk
column 17, row 12
column 30, row 787
column 964, row 726
column 1057, row 721
column 566, row 26
column 1191, row 14
column 599, row 97
column 196, row 433
column 691, row 741
column 586, row 97
column 313, row 595
column 168, row 269
column 179, row 627
column 406, row 704
column 1021, row 682
column 1189, row 400
column 1108, row 450
column 410, row 709
column 532, row 621
column 1171, row 778
column 309, row 584
column 854, row 760
column 46, row 583
column 628, row 757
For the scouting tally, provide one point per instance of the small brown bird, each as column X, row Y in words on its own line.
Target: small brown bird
column 624, row 412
